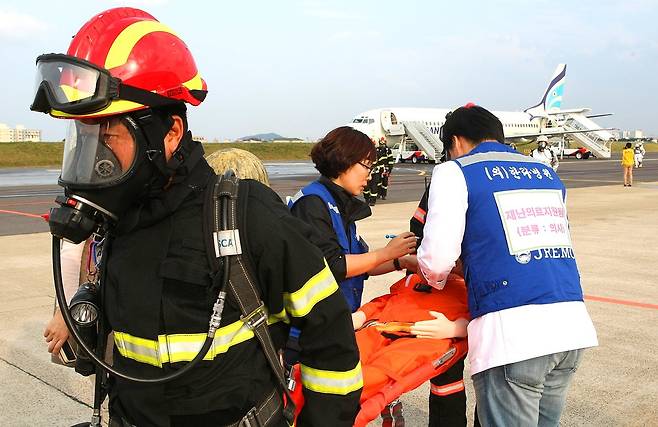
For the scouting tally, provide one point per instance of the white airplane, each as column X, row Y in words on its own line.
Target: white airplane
column 397, row 125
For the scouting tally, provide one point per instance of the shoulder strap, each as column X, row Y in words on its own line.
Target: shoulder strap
column 241, row 281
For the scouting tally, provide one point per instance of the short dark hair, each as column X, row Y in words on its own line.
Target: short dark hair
column 176, row 109
column 474, row 123
column 628, row 145
column 341, row 149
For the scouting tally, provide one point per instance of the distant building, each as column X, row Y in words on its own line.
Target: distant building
column 637, row 134
column 20, row 134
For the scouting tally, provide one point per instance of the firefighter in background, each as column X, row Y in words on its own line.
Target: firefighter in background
column 389, row 162
column 371, row 190
column 124, row 85
column 544, row 153
column 374, row 189
column 638, row 154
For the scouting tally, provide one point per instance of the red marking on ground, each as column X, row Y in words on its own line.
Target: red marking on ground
column 621, row 302
column 22, row 214
column 45, row 202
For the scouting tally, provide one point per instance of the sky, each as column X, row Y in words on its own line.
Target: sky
column 302, row 68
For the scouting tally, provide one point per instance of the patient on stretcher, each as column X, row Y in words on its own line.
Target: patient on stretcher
column 411, row 327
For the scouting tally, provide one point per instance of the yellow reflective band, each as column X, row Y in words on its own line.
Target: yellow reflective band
column 74, row 94
column 184, row 347
column 279, row 317
column 116, row 107
column 128, row 38
column 318, row 287
column 139, row 349
column 332, row 382
column 194, row 83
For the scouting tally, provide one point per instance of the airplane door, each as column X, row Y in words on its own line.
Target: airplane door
column 390, row 123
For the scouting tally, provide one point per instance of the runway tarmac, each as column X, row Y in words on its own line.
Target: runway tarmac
column 615, row 235
column 26, row 193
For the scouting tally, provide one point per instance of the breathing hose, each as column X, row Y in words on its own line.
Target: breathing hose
column 215, row 319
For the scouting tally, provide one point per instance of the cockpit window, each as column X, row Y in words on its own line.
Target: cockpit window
column 394, row 120
column 357, row 120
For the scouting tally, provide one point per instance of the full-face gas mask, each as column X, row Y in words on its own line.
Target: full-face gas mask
column 105, row 170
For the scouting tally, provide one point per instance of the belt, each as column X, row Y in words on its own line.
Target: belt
column 264, row 414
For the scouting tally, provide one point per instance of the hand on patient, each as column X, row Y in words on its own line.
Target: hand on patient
column 439, row 327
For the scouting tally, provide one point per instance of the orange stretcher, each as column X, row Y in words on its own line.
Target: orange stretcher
column 395, row 362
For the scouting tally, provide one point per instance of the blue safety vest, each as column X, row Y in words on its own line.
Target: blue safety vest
column 497, row 276
column 352, row 287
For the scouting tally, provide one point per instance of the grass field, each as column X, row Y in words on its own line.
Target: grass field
column 34, row 154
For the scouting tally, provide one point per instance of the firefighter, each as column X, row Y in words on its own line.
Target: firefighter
column 375, row 185
column 388, row 162
column 130, row 160
column 371, row 190
column 638, row 154
column 544, row 153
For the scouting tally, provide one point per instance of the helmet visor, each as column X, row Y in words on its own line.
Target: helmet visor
column 71, row 85
column 98, row 153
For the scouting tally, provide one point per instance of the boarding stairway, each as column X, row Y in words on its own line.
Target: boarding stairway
column 424, row 139
column 596, row 141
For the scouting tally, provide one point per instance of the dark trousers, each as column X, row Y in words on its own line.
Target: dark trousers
column 384, row 187
column 448, row 398
column 371, row 192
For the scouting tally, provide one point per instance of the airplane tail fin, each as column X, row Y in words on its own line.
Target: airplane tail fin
column 552, row 99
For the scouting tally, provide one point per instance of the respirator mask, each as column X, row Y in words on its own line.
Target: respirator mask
column 105, row 170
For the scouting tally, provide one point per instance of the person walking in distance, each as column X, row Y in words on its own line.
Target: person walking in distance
column 627, row 163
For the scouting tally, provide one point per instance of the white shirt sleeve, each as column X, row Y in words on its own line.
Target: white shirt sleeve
column 71, row 256
column 444, row 224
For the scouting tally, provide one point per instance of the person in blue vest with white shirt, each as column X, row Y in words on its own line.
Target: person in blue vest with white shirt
column 504, row 215
column 344, row 158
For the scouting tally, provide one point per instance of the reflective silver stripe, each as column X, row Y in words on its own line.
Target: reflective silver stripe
column 139, row 349
column 317, row 288
column 184, row 347
column 495, row 156
column 296, row 197
column 332, row 382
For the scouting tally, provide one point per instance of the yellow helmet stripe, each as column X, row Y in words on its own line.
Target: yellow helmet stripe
column 128, row 38
column 194, row 83
column 116, row 107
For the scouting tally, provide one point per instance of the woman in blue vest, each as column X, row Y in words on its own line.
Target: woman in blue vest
column 330, row 205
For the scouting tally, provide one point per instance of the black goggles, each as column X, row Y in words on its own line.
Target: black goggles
column 75, row 86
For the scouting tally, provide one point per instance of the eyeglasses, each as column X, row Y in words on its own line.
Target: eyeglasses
column 369, row 168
